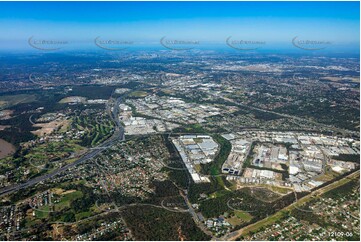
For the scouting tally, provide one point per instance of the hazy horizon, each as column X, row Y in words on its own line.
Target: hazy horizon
column 275, row 24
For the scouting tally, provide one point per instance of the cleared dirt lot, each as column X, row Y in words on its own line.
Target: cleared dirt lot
column 48, row 128
column 6, row 148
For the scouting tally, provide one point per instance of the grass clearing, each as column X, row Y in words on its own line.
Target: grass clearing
column 42, row 212
column 12, row 100
column 138, row 94
column 82, row 215
column 243, row 215
column 280, row 190
column 234, row 221
column 219, row 193
column 239, row 218
column 67, row 198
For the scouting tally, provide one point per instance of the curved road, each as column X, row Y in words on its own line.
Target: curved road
column 118, row 135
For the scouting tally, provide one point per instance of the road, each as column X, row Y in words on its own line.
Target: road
column 327, row 127
column 118, row 135
column 184, row 194
column 236, row 234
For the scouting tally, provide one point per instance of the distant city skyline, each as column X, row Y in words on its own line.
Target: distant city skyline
column 209, row 23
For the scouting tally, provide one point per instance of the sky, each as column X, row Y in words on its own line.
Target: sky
column 275, row 23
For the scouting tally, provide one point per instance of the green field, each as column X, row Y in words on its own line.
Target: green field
column 42, row 212
column 96, row 131
column 12, row 100
column 138, row 94
column 67, row 199
column 239, row 218
column 243, row 215
column 82, row 215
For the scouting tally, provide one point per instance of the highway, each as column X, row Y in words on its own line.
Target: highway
column 326, row 127
column 118, row 135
